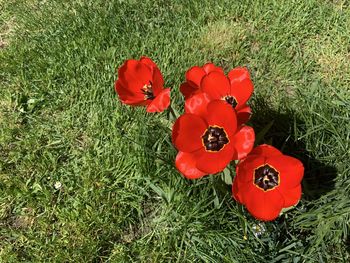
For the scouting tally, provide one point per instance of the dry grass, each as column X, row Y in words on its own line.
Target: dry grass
column 331, row 56
column 6, row 32
column 221, row 35
column 340, row 5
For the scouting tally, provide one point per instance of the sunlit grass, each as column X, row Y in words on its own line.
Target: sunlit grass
column 121, row 201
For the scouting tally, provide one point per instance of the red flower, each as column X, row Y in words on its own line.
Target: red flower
column 235, row 89
column 208, row 139
column 198, row 103
column 140, row 83
column 267, row 181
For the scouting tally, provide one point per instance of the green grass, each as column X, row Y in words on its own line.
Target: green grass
column 123, row 201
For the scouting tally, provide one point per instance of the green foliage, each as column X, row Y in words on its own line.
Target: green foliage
column 121, row 199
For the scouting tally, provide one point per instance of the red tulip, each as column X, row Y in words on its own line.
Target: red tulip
column 208, row 139
column 267, row 181
column 140, row 83
column 198, row 104
column 235, row 89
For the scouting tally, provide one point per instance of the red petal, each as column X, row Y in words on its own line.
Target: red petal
column 187, row 132
column 127, row 97
column 214, row 162
column 197, row 104
column 291, row 170
column 243, row 115
column 245, row 168
column 186, row 164
column 236, row 193
column 292, row 196
column 158, row 82
column 148, row 61
column 157, row 78
column 221, row 114
column 188, row 90
column 133, row 75
column 238, row 74
column 160, row 102
column 124, row 93
column 216, row 85
column 210, row 67
column 194, row 75
column 266, row 151
column 262, row 205
column 243, row 142
column 241, row 85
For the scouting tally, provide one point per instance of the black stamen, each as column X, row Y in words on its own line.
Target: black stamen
column 214, row 139
column 266, row 177
column 231, row 100
column 147, row 90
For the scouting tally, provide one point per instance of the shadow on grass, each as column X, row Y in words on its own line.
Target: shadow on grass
column 319, row 178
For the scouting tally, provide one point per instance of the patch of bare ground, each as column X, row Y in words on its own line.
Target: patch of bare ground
column 24, row 220
column 134, row 232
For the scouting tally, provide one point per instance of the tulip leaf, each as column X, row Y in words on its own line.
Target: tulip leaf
column 216, row 199
column 226, row 176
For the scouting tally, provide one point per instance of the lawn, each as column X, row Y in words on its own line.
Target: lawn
column 84, row 178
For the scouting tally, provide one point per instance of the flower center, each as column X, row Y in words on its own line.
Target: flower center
column 214, row 139
column 148, row 91
column 231, row 100
column 266, row 177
